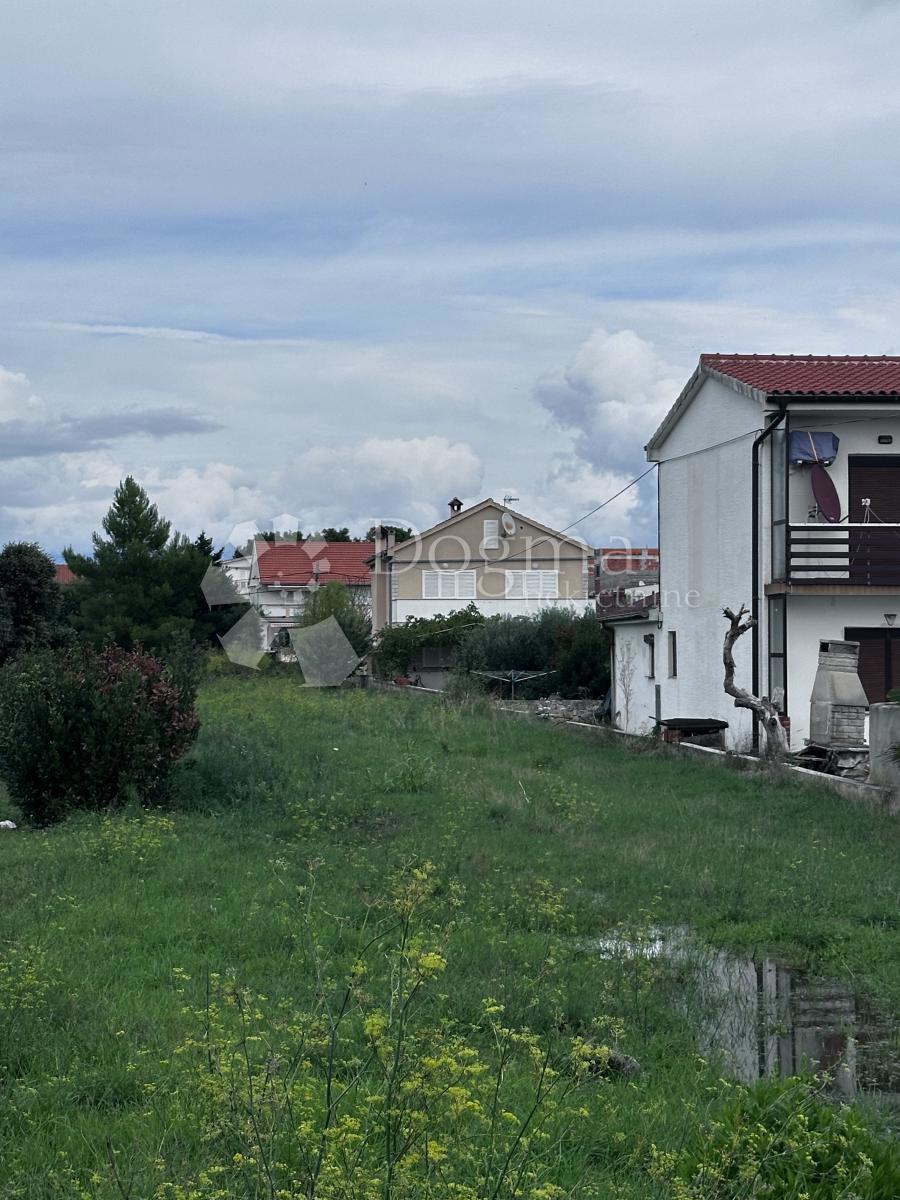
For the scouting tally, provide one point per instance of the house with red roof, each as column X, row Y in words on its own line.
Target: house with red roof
column 279, row 576
column 779, row 489
column 63, row 574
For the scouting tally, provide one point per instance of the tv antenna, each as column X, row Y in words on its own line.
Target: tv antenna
column 509, row 498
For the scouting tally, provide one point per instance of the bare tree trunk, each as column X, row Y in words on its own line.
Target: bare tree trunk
column 764, row 711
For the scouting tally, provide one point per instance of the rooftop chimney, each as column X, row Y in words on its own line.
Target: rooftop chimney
column 838, row 704
column 455, row 506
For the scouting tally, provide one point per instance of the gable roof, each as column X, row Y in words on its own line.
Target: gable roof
column 475, row 508
column 811, row 374
column 283, row 564
column 847, row 377
column 618, row 606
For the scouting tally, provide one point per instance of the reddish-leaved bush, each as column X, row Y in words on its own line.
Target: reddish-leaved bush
column 83, row 728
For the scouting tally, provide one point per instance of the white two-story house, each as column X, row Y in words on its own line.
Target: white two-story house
column 281, row 574
column 779, row 489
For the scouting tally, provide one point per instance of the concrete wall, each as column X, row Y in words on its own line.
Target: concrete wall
column 633, row 689
column 810, row 619
column 884, row 735
column 484, row 604
column 705, row 553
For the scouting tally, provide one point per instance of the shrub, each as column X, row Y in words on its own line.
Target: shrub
column 573, row 646
column 400, row 647
column 32, row 605
column 90, row 729
column 780, row 1138
column 336, row 600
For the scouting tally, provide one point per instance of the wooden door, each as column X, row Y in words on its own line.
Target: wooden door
column 879, row 660
column 874, row 551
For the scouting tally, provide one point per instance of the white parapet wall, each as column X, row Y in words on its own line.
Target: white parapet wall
column 884, row 735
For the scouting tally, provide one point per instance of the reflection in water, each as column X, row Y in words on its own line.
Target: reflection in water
column 766, row 1020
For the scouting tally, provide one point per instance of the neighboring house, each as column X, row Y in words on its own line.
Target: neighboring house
column 740, row 523
column 625, row 566
column 282, row 574
column 623, row 575
column 63, row 574
column 486, row 555
column 238, row 571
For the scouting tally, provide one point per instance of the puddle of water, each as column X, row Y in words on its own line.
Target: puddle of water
column 764, row 1020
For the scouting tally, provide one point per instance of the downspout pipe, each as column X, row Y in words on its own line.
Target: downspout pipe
column 755, row 603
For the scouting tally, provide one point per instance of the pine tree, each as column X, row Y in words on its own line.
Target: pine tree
column 141, row 585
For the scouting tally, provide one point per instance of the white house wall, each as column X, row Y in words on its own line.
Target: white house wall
column 705, row 518
column 858, row 432
column 811, row 619
column 491, row 608
column 633, row 691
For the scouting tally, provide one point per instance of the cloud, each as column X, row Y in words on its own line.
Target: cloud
column 17, row 401
column 29, row 430
column 62, row 499
column 612, row 394
column 345, row 230
column 397, row 480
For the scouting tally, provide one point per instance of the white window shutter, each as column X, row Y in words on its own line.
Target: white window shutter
column 466, row 585
column 491, row 538
column 430, row 585
column 515, row 585
column 550, row 585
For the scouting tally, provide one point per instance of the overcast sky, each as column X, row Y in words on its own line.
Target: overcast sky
column 345, row 260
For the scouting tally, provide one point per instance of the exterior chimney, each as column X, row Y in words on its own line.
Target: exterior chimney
column 455, row 506
column 838, row 704
column 382, row 585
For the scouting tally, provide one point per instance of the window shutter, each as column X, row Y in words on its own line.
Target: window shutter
column 430, row 585
column 515, row 585
column 466, row 585
column 550, row 585
column 491, row 539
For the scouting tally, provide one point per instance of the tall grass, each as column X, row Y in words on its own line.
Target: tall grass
column 269, row 990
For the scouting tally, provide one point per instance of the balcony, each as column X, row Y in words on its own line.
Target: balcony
column 847, row 557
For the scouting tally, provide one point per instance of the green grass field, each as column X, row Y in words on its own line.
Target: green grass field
column 349, row 961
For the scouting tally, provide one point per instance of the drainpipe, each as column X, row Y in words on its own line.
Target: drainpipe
column 766, row 433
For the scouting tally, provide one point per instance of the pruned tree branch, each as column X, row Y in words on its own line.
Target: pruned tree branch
column 765, row 712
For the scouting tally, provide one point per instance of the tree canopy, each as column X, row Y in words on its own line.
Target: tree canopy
column 31, row 604
column 336, row 600
column 143, row 584
column 401, row 532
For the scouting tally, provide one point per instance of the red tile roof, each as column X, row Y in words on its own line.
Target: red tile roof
column 812, row 374
column 618, row 604
column 64, row 573
column 618, row 560
column 298, row 563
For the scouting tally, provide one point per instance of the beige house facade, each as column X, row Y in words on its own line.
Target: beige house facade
column 486, row 555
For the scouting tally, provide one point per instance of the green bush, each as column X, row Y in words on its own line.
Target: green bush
column 573, row 646
column 90, row 729
column 399, row 647
column 781, row 1138
column 336, row 600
